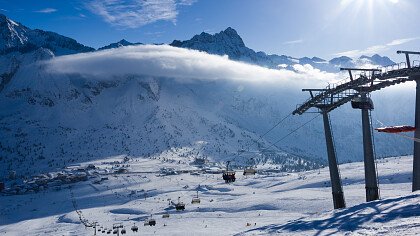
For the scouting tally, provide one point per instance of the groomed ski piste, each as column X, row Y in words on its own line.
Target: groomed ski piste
column 131, row 190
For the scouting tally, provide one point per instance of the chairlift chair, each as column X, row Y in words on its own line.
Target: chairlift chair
column 195, row 200
column 180, row 206
column 134, row 228
column 249, row 171
column 152, row 222
column 228, row 176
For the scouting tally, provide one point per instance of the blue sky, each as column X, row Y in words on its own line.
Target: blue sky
column 324, row 28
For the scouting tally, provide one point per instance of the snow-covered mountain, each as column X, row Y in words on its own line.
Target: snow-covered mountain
column 118, row 44
column 15, row 37
column 228, row 42
column 50, row 120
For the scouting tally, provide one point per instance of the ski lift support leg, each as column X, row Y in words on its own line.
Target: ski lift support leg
column 337, row 190
column 371, row 181
column 416, row 153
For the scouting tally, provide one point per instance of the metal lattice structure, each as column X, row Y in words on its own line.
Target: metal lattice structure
column 335, row 95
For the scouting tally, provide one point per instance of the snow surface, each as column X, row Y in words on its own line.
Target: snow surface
column 267, row 203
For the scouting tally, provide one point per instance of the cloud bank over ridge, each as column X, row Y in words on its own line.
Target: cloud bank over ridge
column 181, row 64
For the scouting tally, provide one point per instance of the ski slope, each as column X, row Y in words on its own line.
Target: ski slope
column 267, row 203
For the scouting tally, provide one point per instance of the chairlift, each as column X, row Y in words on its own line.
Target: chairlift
column 150, row 222
column 228, row 176
column 134, row 228
column 362, row 103
column 250, row 170
column 180, row 206
column 195, row 200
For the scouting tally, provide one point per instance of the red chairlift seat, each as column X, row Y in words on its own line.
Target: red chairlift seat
column 396, row 129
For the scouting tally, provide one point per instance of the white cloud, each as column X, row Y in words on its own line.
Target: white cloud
column 180, row 64
column 47, row 10
column 294, row 41
column 137, row 13
column 376, row 48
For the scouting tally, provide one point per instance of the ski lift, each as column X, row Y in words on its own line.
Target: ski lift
column 195, row 200
column 396, row 129
column 150, row 222
column 180, row 206
column 250, row 170
column 362, row 102
column 228, row 176
column 134, row 228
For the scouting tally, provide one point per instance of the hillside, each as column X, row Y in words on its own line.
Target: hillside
column 268, row 203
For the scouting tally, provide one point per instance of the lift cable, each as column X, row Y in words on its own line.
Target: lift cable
column 277, row 124
column 293, row 131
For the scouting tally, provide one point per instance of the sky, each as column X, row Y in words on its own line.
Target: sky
column 326, row 29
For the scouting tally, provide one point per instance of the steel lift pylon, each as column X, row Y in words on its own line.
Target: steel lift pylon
column 416, row 152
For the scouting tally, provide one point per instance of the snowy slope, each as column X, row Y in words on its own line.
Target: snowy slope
column 264, row 204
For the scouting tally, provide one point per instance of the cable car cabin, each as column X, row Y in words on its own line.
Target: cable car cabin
column 250, row 171
column 362, row 103
column 229, row 176
column 396, row 129
column 180, row 206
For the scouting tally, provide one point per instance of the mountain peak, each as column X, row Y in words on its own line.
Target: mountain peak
column 226, row 42
column 118, row 44
column 230, row 30
column 17, row 37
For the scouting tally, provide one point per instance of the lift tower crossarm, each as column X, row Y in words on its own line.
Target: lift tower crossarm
column 358, row 69
column 407, row 56
column 313, row 90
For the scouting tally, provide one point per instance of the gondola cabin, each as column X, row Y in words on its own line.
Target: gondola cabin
column 362, row 103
